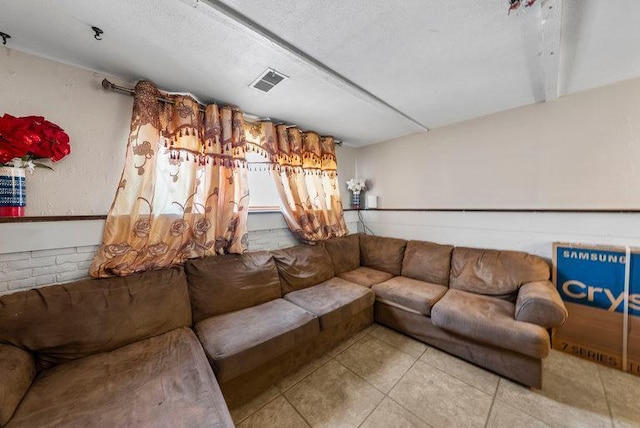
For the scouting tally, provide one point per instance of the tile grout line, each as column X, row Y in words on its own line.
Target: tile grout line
column 297, row 411
column 360, row 377
column 398, row 349
column 365, row 380
column 511, row 406
column 329, row 358
column 410, row 412
column 282, row 391
column 399, row 380
column 404, row 336
column 493, row 400
column 259, row 408
column 406, row 371
column 606, row 398
column 523, row 410
column 462, row 380
column 350, row 345
column 385, row 394
column 372, row 410
column 526, row 412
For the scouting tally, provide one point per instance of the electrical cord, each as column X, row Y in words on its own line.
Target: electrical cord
column 365, row 228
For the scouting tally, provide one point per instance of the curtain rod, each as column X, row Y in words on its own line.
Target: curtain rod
column 108, row 85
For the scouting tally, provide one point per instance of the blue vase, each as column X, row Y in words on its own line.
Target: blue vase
column 13, row 196
column 355, row 201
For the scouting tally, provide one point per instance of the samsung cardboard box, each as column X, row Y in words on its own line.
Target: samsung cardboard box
column 601, row 290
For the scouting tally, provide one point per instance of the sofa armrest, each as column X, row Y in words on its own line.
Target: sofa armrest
column 539, row 303
column 17, row 371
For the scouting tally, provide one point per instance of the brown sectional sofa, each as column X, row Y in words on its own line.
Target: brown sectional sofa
column 122, row 351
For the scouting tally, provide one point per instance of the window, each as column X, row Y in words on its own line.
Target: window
column 262, row 191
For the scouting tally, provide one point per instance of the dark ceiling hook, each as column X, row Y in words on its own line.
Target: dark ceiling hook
column 98, row 32
column 4, row 36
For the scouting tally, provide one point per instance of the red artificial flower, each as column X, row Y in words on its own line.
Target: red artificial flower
column 12, row 138
column 32, row 137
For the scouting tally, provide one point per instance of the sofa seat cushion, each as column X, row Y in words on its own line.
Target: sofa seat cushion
column 410, row 294
column 240, row 341
column 334, row 301
column 365, row 276
column 489, row 320
column 161, row 381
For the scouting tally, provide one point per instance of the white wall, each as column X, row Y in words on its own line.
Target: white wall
column 97, row 122
column 581, row 151
column 533, row 232
column 346, row 169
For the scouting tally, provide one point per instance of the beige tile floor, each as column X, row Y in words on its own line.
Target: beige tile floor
column 381, row 378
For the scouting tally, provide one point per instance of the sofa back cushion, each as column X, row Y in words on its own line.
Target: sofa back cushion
column 64, row 322
column 494, row 272
column 222, row 284
column 344, row 252
column 427, row 261
column 303, row 266
column 382, row 253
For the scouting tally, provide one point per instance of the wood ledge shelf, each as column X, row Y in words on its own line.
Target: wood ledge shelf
column 514, row 210
column 51, row 218
column 462, row 210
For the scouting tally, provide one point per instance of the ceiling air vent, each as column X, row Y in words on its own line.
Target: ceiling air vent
column 267, row 80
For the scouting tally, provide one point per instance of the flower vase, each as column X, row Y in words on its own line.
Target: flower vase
column 355, row 201
column 12, row 191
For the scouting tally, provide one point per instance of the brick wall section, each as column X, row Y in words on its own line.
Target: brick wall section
column 37, row 268
column 271, row 239
column 274, row 239
column 31, row 269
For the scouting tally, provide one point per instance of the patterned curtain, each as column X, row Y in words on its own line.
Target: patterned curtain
column 183, row 191
column 303, row 166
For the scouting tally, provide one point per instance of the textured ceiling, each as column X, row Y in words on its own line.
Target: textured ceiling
column 364, row 71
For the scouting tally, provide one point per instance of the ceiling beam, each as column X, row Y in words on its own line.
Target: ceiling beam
column 287, row 47
column 551, row 33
